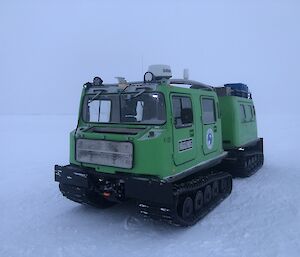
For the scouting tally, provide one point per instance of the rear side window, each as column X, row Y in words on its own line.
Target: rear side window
column 242, row 112
column 250, row 112
column 208, row 111
column 182, row 111
column 247, row 113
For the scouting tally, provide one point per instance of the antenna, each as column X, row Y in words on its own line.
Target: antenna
column 121, row 80
column 186, row 74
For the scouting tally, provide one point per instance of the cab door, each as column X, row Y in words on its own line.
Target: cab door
column 211, row 125
column 183, row 128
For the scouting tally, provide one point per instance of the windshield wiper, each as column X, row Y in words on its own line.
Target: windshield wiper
column 127, row 86
column 95, row 96
column 136, row 95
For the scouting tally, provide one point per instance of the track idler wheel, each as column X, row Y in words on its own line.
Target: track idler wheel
column 199, row 201
column 187, row 208
column 224, row 185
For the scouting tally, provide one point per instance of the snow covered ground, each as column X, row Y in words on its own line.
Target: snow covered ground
column 260, row 218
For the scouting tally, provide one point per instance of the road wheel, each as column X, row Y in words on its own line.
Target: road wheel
column 245, row 164
column 198, row 202
column 187, row 208
column 215, row 189
column 207, row 194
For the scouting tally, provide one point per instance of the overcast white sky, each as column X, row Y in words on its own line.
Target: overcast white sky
column 50, row 48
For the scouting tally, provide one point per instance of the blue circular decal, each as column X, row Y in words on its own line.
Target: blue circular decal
column 209, row 138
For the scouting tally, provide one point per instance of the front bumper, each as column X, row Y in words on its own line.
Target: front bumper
column 116, row 187
column 71, row 175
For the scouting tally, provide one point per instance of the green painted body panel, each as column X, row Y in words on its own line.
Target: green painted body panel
column 159, row 155
column 237, row 129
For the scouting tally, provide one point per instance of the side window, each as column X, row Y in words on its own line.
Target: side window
column 250, row 112
column 182, row 111
column 208, row 111
column 242, row 113
column 99, row 111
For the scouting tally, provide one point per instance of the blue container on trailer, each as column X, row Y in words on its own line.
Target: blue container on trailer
column 238, row 87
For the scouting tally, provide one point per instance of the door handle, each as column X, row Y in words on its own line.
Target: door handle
column 191, row 132
column 215, row 128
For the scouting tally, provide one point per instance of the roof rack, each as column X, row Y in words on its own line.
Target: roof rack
column 234, row 89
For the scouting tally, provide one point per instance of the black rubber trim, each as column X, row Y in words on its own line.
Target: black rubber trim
column 145, row 188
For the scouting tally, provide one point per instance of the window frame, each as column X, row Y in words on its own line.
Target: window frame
column 251, row 112
column 244, row 118
column 99, row 111
column 214, row 109
column 186, row 125
column 83, row 110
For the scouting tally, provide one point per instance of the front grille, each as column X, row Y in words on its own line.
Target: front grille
column 103, row 152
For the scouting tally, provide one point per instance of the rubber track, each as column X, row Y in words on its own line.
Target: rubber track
column 170, row 214
column 244, row 165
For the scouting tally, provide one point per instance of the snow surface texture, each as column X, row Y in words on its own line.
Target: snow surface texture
column 260, row 217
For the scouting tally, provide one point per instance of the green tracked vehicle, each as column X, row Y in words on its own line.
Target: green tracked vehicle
column 169, row 144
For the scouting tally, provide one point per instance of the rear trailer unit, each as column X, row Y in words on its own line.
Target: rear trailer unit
column 239, row 131
column 160, row 142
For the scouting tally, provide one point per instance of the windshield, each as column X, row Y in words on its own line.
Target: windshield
column 138, row 107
